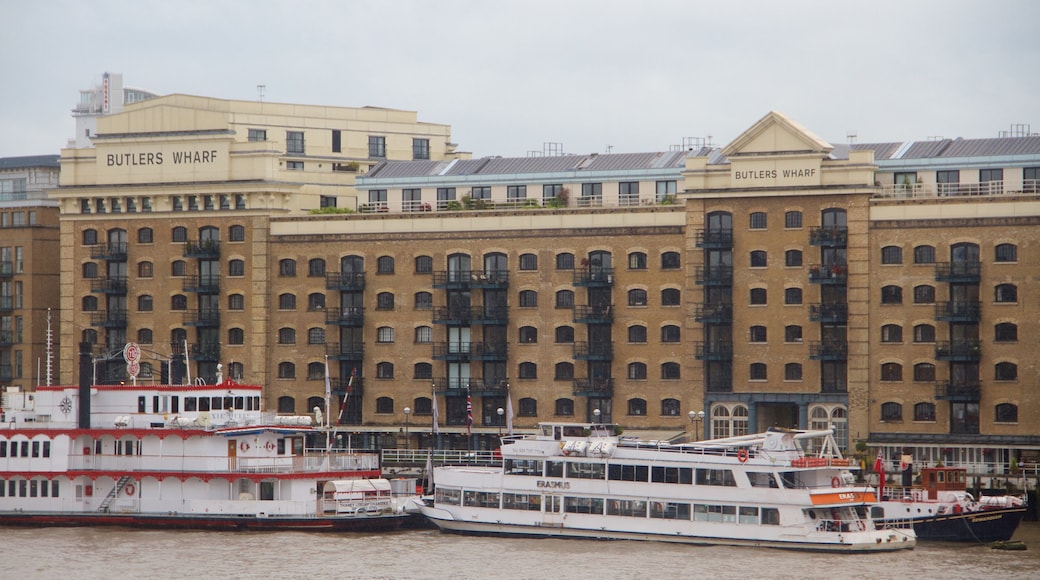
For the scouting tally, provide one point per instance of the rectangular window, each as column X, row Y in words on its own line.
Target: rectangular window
column 665, row 188
column 294, row 142
column 516, row 192
column 1031, row 179
column 337, row 146
column 991, row 181
column 376, row 146
column 258, row 134
column 293, row 166
column 948, row 182
column 592, row 190
column 628, row 193
column 420, row 148
column 551, row 191
column 481, row 192
column 327, row 201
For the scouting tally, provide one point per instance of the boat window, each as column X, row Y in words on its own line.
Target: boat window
column 748, row 515
column 723, row 477
column 203, row 403
column 573, row 432
column 761, row 479
column 770, row 516
column 626, row 507
column 523, row 467
column 522, row 501
column 660, row 474
column 553, row 469
column 191, row 404
column 941, row 476
column 487, row 499
column 628, row 472
column 670, row 510
column 448, row 496
column 586, row 470
column 788, row 479
column 583, row 505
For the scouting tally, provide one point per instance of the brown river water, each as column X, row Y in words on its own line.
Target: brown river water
column 116, row 553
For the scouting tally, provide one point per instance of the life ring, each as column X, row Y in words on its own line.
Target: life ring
column 861, row 525
column 243, row 446
column 361, row 511
column 130, row 489
column 742, row 455
column 835, row 481
column 269, row 446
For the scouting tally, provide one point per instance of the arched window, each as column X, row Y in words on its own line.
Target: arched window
column 423, row 406
column 89, row 335
column 891, row 255
column 423, row 264
column 352, row 265
column 385, row 335
column 757, row 372
column 90, row 237
column 637, row 297
column 286, row 370
column 528, row 262
column 287, row 301
column 830, row 417
column 924, row 255
column 528, row 370
column 236, row 370
column 1006, row 413
column 792, row 295
column 528, row 299
column 758, row 296
column 757, row 220
column 315, row 371
column 423, row 301
column 757, row 334
column 90, row 270
column 670, row 297
column 1005, row 332
column 793, row 219
column 670, row 370
column 563, row 371
column 528, row 407
column 924, row 294
column 236, row 302
column 385, row 265
column 144, row 335
column 179, row 234
column 727, row 421
column 564, row 334
column 316, row 335
column 671, row 261
column 385, row 301
column 637, row 261
column 1005, row 293
column 286, row 404
column 286, row 336
column 236, row 336
column 758, row 259
column 670, row 333
column 1006, row 371
column 316, row 268
column 924, row 333
column 145, row 235
column 236, row 268
column 637, row 334
column 670, row 407
column 385, row 370
column 384, row 405
column 637, row 371
column 237, row 233
column 924, row 372
column 316, row 301
column 423, row 334
column 637, row 407
column 178, row 336
column 178, row 302
column 144, row 303
column 422, row 370
column 287, row 267
column 793, row 258
column 528, row 334
column 792, row 333
column 564, row 407
column 565, row 261
column 891, row 333
column 891, row 412
column 924, row 412
column 891, row 294
column 178, row 268
column 891, row 371
column 565, row 299
column 1006, row 253
column 145, row 269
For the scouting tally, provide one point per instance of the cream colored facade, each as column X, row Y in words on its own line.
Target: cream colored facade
column 744, row 283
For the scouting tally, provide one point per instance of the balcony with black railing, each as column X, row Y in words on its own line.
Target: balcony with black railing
column 714, row 275
column 344, row 351
column 959, row 350
column 490, row 351
column 109, row 318
column 958, row 272
column 453, row 279
column 958, row 391
column 206, row 318
column 829, row 312
column 109, row 285
column 341, row 386
column 111, row 251
column 203, row 249
column 715, row 239
column 603, row 314
column 452, row 351
column 829, row 274
column 829, row 236
column 721, row 350
column 597, row 351
column 458, row 386
column 492, row 279
column 205, row 351
column 829, row 350
column 958, row 311
column 714, row 313
column 345, row 281
column 594, row 277
column 593, row 387
column 350, row 316
column 209, row 284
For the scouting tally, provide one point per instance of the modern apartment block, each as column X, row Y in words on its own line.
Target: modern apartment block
column 883, row 290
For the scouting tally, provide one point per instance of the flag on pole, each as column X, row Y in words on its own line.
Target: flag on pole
column 328, row 386
column 469, row 414
column 879, row 468
column 436, row 427
column 509, row 413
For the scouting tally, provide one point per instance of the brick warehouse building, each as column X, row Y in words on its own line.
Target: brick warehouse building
column 882, row 289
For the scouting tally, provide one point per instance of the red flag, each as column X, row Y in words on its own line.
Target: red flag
column 879, row 467
column 469, row 414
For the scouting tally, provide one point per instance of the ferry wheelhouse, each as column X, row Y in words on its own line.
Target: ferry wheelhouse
column 183, row 456
column 783, row 489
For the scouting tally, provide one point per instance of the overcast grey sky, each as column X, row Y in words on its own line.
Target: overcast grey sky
column 509, row 76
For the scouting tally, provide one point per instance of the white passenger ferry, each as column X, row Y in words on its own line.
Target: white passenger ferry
column 783, row 489
column 181, row 456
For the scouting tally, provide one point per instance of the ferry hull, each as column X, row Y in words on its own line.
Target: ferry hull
column 217, row 523
column 985, row 526
column 872, row 541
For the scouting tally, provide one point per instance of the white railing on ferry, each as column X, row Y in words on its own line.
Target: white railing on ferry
column 207, row 464
column 440, row 457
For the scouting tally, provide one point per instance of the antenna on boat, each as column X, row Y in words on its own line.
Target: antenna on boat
column 187, row 362
column 50, row 348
